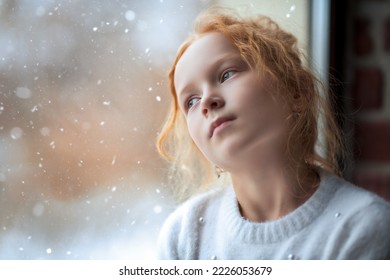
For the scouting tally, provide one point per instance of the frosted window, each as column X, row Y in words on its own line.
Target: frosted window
column 82, row 95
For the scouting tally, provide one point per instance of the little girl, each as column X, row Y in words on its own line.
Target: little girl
column 244, row 104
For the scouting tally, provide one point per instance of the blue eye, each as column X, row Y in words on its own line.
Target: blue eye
column 192, row 101
column 226, row 75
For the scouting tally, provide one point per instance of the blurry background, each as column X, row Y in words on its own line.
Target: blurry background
column 83, row 92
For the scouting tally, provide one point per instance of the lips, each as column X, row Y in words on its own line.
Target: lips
column 218, row 122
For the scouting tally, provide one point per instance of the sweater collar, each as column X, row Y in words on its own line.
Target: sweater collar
column 286, row 226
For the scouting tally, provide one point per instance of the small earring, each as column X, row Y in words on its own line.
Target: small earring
column 219, row 171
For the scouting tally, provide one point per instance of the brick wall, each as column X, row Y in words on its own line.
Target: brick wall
column 367, row 63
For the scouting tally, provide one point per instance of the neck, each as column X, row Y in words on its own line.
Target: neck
column 269, row 191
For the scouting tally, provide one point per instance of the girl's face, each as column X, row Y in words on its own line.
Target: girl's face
column 229, row 109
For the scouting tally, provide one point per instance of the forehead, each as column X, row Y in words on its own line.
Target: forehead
column 201, row 55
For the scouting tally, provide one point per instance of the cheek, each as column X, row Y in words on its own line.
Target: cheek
column 246, row 91
column 195, row 130
column 257, row 97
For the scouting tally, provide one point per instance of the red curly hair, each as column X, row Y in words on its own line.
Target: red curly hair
column 265, row 47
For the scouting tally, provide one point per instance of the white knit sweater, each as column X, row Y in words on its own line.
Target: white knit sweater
column 339, row 221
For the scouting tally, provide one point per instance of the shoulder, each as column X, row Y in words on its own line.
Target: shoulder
column 356, row 199
column 195, row 207
column 179, row 234
column 364, row 221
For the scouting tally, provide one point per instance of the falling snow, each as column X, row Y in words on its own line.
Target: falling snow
column 130, row 15
column 81, row 98
column 40, row 11
column 23, row 92
column 16, row 133
column 45, row 131
column 157, row 209
column 38, row 209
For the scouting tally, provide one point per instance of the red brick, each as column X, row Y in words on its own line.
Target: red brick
column 386, row 35
column 372, row 141
column 367, row 90
column 362, row 40
column 376, row 182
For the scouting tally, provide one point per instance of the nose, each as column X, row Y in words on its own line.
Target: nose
column 211, row 101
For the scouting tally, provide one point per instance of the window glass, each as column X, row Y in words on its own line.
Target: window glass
column 83, row 91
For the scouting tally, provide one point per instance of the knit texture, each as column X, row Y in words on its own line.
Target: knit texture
column 339, row 221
